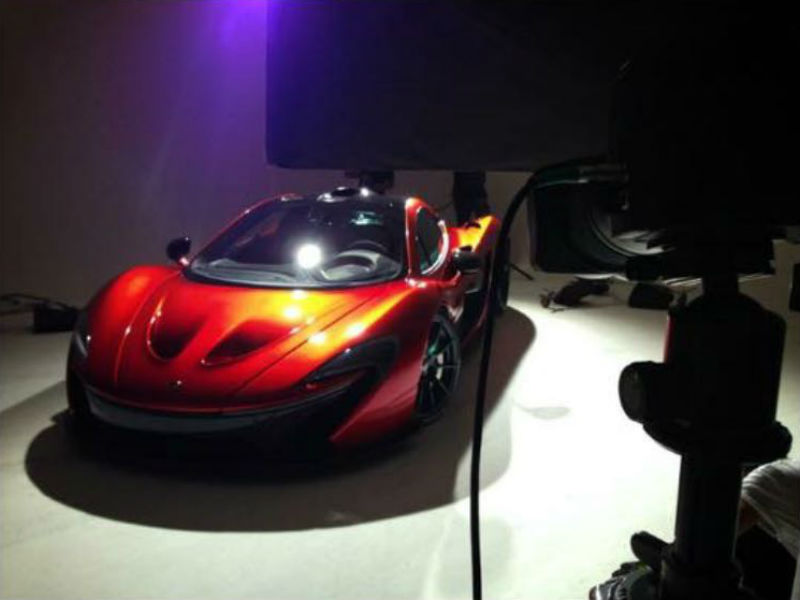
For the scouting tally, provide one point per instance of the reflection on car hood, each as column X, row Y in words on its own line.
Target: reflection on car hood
column 191, row 343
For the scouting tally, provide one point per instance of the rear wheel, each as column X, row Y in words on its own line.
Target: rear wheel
column 441, row 364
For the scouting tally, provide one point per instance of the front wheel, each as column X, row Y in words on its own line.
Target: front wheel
column 441, row 364
column 80, row 416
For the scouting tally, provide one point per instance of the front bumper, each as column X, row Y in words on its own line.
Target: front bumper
column 315, row 417
column 157, row 422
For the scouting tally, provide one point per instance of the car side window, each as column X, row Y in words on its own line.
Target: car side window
column 429, row 240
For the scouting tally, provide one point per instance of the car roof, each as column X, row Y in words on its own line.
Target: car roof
column 351, row 193
column 356, row 194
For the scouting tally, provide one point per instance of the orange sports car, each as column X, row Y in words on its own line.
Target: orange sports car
column 337, row 318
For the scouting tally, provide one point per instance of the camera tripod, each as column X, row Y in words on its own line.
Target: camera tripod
column 713, row 401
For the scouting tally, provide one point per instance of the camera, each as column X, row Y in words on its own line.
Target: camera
column 702, row 131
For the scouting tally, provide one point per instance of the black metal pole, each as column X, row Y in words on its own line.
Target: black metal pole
column 705, row 523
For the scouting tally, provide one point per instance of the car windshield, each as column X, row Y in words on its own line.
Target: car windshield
column 309, row 243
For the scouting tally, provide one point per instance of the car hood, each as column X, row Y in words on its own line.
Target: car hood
column 191, row 343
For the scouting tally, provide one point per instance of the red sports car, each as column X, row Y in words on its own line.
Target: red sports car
column 337, row 318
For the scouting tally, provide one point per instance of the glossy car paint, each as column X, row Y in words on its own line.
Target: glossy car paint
column 161, row 342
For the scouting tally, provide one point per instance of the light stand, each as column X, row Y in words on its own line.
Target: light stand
column 713, row 401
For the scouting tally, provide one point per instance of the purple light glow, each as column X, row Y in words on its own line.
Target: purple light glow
column 237, row 16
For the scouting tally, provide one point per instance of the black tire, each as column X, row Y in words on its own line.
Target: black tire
column 441, row 365
column 81, row 417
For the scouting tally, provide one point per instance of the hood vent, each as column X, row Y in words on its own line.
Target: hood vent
column 243, row 340
column 168, row 337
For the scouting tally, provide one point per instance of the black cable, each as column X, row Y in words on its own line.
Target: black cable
column 577, row 172
column 521, row 271
column 21, row 302
column 480, row 400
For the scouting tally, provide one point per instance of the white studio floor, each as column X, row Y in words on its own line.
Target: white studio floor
column 566, row 480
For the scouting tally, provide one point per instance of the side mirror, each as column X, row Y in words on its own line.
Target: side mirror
column 467, row 261
column 178, row 249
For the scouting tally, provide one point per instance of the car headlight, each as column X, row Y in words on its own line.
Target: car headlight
column 80, row 335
